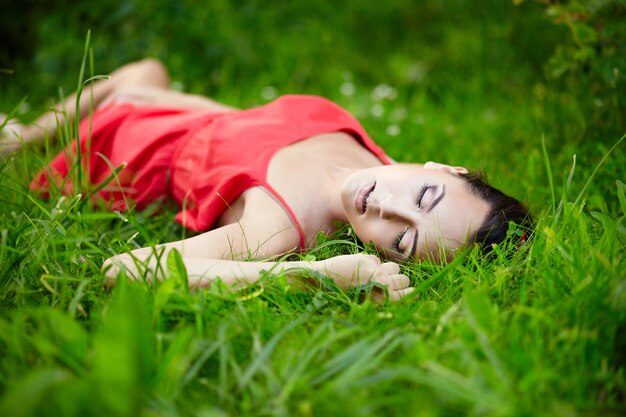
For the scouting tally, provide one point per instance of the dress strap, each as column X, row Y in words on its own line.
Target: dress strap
column 289, row 212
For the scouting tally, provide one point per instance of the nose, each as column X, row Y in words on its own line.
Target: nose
column 393, row 208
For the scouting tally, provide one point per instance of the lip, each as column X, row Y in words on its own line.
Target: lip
column 361, row 194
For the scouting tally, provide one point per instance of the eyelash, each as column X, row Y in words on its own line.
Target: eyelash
column 420, row 195
column 396, row 243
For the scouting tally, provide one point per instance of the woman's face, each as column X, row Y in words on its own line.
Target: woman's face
column 412, row 210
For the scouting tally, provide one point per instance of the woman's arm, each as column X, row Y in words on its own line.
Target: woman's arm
column 347, row 271
column 219, row 253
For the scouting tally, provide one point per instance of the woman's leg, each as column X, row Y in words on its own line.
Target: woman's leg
column 144, row 82
column 147, row 72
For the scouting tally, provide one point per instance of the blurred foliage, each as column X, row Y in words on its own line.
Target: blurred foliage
column 247, row 43
column 592, row 58
column 223, row 41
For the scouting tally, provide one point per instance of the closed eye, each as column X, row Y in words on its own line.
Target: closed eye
column 438, row 199
column 398, row 241
column 401, row 246
column 420, row 195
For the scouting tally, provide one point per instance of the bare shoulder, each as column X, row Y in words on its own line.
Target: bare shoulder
column 259, row 229
column 267, row 227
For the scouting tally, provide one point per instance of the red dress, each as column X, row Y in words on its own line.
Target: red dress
column 203, row 159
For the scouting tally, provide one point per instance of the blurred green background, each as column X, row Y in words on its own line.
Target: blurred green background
column 477, row 83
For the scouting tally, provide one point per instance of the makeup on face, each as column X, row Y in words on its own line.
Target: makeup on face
column 409, row 211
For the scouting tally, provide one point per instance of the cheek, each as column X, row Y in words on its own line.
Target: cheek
column 370, row 231
column 437, row 244
column 453, row 233
column 346, row 199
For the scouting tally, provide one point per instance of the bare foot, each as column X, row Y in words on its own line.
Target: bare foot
column 11, row 139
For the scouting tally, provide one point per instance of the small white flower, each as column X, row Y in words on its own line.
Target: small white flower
column 393, row 130
column 347, row 88
column 269, row 93
column 377, row 110
column 384, row 91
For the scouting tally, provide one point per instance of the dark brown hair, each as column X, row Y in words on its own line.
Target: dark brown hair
column 503, row 210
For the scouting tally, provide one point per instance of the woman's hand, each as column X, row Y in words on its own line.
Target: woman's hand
column 349, row 271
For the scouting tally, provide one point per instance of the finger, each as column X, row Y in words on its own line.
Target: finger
column 399, row 282
column 390, row 268
column 368, row 257
column 397, row 295
column 394, row 282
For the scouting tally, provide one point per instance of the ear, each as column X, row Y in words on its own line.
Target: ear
column 452, row 170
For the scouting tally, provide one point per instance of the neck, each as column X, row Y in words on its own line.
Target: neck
column 347, row 158
column 325, row 162
column 331, row 186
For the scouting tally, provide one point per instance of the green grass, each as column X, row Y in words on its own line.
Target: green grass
column 538, row 330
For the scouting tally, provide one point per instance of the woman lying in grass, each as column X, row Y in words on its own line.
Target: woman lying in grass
column 264, row 182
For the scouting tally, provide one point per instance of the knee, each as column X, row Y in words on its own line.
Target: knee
column 149, row 71
column 153, row 66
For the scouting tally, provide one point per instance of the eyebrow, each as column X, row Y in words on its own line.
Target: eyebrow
column 437, row 200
